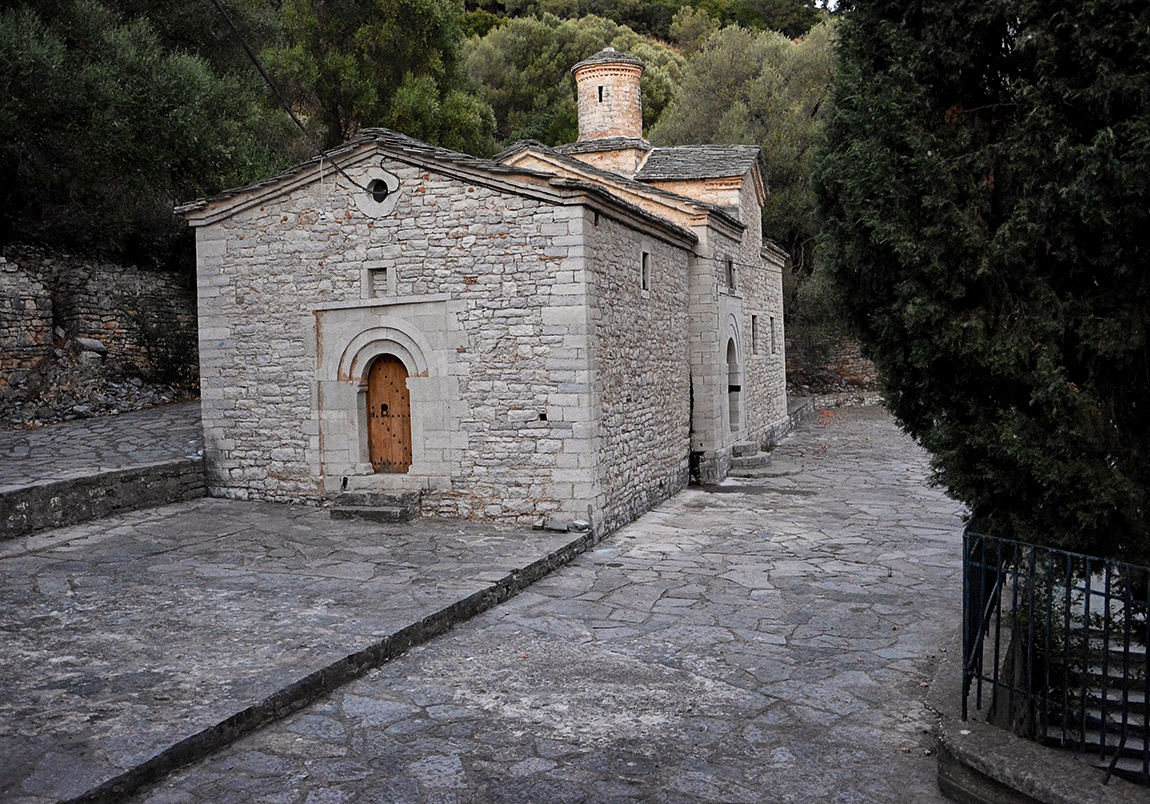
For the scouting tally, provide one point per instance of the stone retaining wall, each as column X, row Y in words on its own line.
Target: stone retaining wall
column 25, row 320
column 982, row 764
column 68, row 502
column 847, row 361
column 146, row 318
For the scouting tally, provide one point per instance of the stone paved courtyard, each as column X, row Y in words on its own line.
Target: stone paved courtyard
column 765, row 641
column 104, row 443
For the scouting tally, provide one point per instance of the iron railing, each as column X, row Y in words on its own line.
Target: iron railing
column 1054, row 647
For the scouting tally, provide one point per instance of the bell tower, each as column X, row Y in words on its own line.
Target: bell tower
column 607, row 88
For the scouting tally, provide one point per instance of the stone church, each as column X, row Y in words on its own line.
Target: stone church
column 554, row 334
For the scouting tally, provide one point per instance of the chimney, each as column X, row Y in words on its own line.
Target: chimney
column 607, row 87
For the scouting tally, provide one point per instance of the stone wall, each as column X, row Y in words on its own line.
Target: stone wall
column 760, row 276
column 845, row 359
column 79, row 499
column 642, row 369
column 609, row 100
column 484, row 291
column 145, row 318
column 25, row 320
column 712, row 306
column 764, row 357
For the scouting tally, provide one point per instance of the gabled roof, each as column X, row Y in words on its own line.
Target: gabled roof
column 608, row 178
column 367, row 145
column 393, row 141
column 698, row 162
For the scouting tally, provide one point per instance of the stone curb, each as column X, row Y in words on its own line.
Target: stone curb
column 299, row 694
column 982, row 764
column 799, row 409
column 69, row 501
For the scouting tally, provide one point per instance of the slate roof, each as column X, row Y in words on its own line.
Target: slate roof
column 698, row 162
column 609, row 55
column 395, row 142
column 604, row 144
column 610, row 177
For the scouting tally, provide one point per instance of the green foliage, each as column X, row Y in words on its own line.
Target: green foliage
column 458, row 120
column 760, row 88
column 354, row 63
column 199, row 29
column 478, row 21
column 986, row 194
column 524, row 68
column 791, row 17
column 102, row 130
column 691, row 28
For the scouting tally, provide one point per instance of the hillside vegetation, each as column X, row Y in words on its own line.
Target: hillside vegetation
column 113, row 111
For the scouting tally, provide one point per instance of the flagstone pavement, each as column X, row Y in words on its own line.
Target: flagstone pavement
column 766, row 640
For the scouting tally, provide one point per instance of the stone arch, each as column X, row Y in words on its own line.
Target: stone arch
column 406, row 344
column 396, row 340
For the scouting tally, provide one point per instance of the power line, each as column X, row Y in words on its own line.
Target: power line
column 275, row 91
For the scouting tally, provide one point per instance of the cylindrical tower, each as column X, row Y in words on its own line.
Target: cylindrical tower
column 607, row 87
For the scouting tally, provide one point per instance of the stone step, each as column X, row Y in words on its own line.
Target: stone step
column 744, row 463
column 399, row 499
column 375, row 513
column 754, row 474
column 377, row 506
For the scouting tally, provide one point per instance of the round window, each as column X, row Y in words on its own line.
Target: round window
column 378, row 190
column 377, row 193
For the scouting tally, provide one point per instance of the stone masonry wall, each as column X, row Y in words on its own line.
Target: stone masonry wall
column 609, row 101
column 25, row 320
column 508, row 270
column 764, row 356
column 145, row 318
column 713, row 303
column 642, row 369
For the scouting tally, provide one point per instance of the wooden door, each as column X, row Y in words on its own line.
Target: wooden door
column 388, row 415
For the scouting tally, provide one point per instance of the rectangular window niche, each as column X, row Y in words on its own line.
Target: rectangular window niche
column 378, row 281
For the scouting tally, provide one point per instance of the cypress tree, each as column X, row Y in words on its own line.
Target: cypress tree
column 985, row 194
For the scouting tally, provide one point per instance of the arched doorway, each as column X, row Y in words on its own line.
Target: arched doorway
column 388, row 415
column 734, row 384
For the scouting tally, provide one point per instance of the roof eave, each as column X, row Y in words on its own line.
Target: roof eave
column 688, row 205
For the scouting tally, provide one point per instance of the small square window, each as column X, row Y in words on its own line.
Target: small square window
column 645, row 272
column 378, row 279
